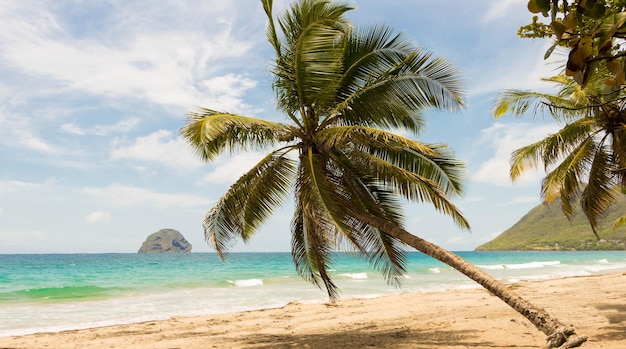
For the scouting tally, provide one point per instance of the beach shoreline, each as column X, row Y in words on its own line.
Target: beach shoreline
column 595, row 305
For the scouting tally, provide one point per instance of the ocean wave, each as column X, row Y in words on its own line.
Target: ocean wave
column 355, row 276
column 60, row 293
column 532, row 265
column 529, row 265
column 603, row 267
column 492, row 266
column 435, row 270
column 247, row 282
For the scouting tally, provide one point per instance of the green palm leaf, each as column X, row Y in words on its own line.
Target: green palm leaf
column 363, row 196
column 337, row 84
column 272, row 37
column 584, row 159
column 390, row 86
column 435, row 162
column 309, row 65
column 250, row 201
column 211, row 132
column 621, row 221
column 566, row 179
column 312, row 227
column 600, row 190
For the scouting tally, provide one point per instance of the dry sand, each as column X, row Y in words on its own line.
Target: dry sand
column 595, row 305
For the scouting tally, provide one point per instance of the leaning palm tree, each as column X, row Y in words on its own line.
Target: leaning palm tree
column 342, row 90
column 586, row 159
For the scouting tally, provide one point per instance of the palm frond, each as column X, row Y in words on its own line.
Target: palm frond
column 394, row 85
column 419, row 172
column 250, row 201
column 309, row 66
column 305, row 14
column 329, row 192
column 415, row 187
column 565, row 180
column 272, row 37
column 211, row 132
column 600, row 190
column 311, row 229
column 552, row 148
column 362, row 196
column 518, row 103
column 370, row 52
column 620, row 222
column 434, row 161
column 619, row 153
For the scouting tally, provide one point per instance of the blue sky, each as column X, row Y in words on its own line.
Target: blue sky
column 93, row 93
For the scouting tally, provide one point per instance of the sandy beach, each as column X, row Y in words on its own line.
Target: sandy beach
column 595, row 305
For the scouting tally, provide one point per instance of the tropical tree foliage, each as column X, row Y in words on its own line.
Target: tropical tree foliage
column 343, row 90
column 593, row 31
column 340, row 87
column 586, row 158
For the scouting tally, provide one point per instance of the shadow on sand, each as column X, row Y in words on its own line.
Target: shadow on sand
column 366, row 338
column 616, row 315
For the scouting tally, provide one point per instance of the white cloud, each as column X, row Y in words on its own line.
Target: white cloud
column 12, row 186
column 16, row 131
column 121, row 195
column 499, row 59
column 167, row 66
column 98, row 217
column 226, row 92
column 503, row 140
column 503, row 9
column 522, row 71
column 160, row 147
column 455, row 240
column 229, row 169
column 122, row 126
column 522, row 200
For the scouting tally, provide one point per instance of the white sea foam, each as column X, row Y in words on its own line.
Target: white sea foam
column 492, row 266
column 435, row 270
column 602, row 267
column 529, row 265
column 248, row 282
column 355, row 276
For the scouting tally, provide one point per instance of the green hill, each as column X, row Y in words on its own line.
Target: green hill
column 545, row 227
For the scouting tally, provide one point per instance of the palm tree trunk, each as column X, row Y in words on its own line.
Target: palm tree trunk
column 558, row 335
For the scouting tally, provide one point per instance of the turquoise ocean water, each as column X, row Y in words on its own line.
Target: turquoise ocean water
column 57, row 292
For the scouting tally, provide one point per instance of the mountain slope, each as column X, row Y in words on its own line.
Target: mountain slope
column 545, row 227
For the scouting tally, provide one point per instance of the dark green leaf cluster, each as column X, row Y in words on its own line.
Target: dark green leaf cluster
column 593, row 30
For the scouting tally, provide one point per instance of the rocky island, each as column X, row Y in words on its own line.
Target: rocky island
column 165, row 241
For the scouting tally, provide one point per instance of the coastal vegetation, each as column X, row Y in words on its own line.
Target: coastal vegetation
column 343, row 90
column 585, row 160
column 546, row 228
